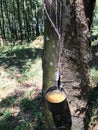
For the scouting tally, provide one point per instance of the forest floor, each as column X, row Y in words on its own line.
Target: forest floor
column 21, row 85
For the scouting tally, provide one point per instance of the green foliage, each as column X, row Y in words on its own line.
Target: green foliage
column 7, row 117
column 93, row 107
column 27, row 104
column 23, row 126
column 94, row 75
column 6, row 113
column 95, row 23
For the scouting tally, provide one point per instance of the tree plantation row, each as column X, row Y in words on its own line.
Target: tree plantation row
column 20, row 19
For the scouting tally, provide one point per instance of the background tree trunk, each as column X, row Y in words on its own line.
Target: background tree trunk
column 19, row 19
column 3, row 22
column 74, row 60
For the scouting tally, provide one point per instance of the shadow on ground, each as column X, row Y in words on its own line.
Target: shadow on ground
column 29, row 113
column 19, row 57
column 63, row 121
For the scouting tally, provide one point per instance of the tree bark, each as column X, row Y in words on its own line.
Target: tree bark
column 37, row 22
column 75, row 38
column 49, row 64
column 19, row 19
column 3, row 22
column 8, row 18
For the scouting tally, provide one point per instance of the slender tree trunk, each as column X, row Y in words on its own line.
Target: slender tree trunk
column 26, row 20
column 3, row 22
column 23, row 6
column 31, row 17
column 8, row 18
column 37, row 22
column 14, row 15
column 19, row 18
column 75, row 40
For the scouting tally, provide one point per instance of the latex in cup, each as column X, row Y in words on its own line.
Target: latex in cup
column 56, row 99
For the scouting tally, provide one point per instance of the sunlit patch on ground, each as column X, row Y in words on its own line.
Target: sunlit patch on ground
column 20, row 86
column 38, row 42
column 7, row 84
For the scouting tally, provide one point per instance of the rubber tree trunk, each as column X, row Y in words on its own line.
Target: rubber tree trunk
column 76, row 22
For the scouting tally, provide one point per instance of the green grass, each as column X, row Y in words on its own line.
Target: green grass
column 94, row 75
column 20, row 86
